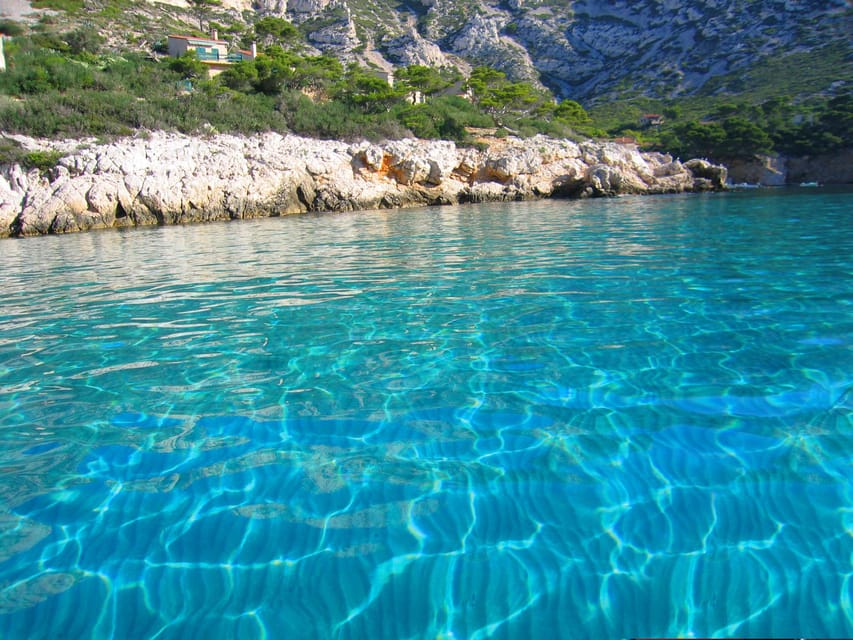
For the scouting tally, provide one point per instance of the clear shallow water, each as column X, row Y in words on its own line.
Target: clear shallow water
column 608, row 418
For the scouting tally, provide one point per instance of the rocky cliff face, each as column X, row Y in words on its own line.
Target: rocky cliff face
column 588, row 50
column 836, row 168
column 582, row 48
column 172, row 179
column 779, row 170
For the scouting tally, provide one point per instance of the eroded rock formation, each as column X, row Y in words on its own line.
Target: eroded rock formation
column 167, row 178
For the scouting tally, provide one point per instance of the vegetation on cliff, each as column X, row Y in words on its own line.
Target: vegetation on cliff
column 61, row 84
column 66, row 80
column 741, row 130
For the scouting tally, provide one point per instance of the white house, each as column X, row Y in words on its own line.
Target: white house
column 211, row 51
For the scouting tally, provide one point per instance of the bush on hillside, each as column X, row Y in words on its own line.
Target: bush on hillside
column 444, row 117
column 84, row 40
column 10, row 28
column 334, row 120
column 777, row 125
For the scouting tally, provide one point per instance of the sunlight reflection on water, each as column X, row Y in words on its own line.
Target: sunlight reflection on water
column 614, row 418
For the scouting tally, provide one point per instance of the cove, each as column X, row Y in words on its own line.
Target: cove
column 624, row 417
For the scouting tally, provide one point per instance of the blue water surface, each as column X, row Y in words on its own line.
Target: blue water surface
column 566, row 419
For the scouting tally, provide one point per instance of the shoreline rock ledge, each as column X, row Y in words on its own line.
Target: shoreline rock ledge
column 167, row 178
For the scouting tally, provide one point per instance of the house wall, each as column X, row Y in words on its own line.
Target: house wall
column 215, row 68
column 214, row 53
column 179, row 46
column 219, row 47
column 2, row 56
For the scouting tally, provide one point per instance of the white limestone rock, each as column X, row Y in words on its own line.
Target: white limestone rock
column 168, row 178
column 410, row 48
column 13, row 187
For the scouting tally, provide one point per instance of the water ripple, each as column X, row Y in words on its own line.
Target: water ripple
column 614, row 418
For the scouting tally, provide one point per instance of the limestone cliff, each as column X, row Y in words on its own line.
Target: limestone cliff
column 166, row 178
column 592, row 51
column 588, row 50
column 779, row 170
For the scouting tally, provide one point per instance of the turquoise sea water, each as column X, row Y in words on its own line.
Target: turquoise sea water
column 583, row 419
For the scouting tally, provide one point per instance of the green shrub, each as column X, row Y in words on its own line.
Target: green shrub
column 419, row 120
column 11, row 28
column 84, row 40
column 444, row 117
column 11, row 152
column 51, row 41
column 42, row 160
column 188, row 66
column 274, row 29
column 327, row 120
column 242, row 76
column 335, row 120
column 32, row 70
column 69, row 6
column 427, row 80
column 367, row 92
column 68, row 90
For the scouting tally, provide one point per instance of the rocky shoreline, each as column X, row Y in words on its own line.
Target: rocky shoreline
column 778, row 170
column 167, row 178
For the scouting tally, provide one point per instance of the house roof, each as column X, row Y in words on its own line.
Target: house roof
column 197, row 39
